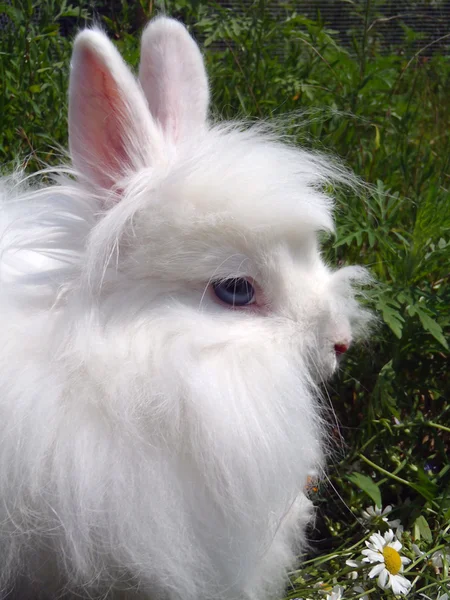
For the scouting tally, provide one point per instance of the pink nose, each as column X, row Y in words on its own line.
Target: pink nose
column 341, row 348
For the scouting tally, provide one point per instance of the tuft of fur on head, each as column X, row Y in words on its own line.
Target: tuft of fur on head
column 154, row 441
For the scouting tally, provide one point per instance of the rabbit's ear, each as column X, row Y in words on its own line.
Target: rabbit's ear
column 173, row 77
column 111, row 132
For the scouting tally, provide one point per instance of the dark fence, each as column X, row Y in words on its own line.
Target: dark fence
column 402, row 26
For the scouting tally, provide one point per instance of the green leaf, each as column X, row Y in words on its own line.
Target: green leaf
column 15, row 14
column 367, row 485
column 348, row 239
column 391, row 317
column 377, row 137
column 425, row 486
column 422, row 530
column 432, row 327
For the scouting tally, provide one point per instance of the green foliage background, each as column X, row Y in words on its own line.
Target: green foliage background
column 387, row 115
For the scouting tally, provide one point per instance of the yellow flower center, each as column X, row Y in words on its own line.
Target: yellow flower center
column 392, row 560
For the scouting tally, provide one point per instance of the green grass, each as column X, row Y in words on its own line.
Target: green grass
column 386, row 115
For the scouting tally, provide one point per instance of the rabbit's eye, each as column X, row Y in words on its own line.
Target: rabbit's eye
column 236, row 292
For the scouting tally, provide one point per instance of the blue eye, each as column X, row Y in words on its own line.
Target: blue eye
column 235, row 292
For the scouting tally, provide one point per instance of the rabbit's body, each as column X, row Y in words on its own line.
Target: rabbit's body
column 155, row 441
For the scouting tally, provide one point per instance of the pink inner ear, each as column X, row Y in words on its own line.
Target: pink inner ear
column 99, row 122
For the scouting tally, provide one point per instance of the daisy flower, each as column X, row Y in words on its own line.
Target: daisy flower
column 354, row 564
column 438, row 558
column 336, row 593
column 417, row 550
column 384, row 550
column 360, row 590
column 372, row 513
column 397, row 525
column 440, row 596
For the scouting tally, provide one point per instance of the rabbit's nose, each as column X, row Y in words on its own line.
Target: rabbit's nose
column 341, row 347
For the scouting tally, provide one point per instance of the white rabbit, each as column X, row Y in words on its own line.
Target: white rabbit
column 166, row 321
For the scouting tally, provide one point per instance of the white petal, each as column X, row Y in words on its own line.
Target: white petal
column 437, row 557
column 376, row 570
column 405, row 561
column 382, row 579
column 389, row 536
column 396, row 545
column 399, row 531
column 436, row 561
column 352, row 563
column 372, row 556
column 336, row 593
column 378, row 541
column 400, row 585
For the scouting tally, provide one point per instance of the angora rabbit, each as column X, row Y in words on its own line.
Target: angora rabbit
column 166, row 323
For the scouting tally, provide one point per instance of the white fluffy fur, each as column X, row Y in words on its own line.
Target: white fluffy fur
column 154, row 443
